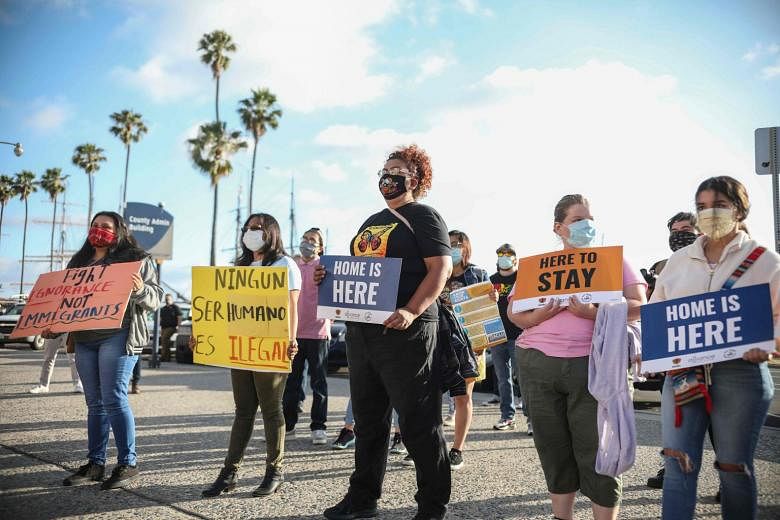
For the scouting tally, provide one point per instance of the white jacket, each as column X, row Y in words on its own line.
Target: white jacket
column 687, row 272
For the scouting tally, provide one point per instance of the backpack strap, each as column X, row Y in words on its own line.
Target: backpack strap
column 401, row 218
column 744, row 266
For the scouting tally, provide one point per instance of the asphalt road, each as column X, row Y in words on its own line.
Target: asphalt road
column 183, row 418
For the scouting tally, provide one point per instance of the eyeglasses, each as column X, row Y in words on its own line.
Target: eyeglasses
column 506, row 253
column 395, row 170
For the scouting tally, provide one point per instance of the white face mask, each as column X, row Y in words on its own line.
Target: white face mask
column 716, row 223
column 254, row 239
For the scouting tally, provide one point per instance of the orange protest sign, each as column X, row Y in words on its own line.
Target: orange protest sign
column 83, row 298
column 594, row 274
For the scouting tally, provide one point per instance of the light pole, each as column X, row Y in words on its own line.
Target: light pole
column 18, row 150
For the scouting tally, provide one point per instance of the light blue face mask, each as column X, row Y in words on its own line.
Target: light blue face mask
column 505, row 262
column 457, row 255
column 582, row 233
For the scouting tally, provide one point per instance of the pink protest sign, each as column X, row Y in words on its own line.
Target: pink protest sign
column 83, row 298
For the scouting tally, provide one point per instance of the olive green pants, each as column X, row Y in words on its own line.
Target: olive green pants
column 250, row 390
column 563, row 414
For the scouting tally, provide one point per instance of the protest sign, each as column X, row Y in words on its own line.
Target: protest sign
column 240, row 317
column 479, row 315
column 594, row 274
column 83, row 298
column 706, row 328
column 358, row 288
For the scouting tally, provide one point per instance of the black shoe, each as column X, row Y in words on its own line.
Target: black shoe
column 121, row 474
column 271, row 481
column 226, row 481
column 346, row 510
column 657, row 482
column 423, row 515
column 89, row 472
column 456, row 459
column 346, row 440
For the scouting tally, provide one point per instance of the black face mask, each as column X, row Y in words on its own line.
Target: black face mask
column 680, row 239
column 392, row 186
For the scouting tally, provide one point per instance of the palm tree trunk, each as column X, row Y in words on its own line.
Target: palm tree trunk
column 89, row 209
column 2, row 210
column 216, row 100
column 214, row 229
column 53, row 221
column 252, row 176
column 124, row 189
column 24, row 248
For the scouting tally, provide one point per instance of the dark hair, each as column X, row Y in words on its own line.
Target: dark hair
column 565, row 203
column 419, row 163
column 733, row 190
column 681, row 217
column 125, row 249
column 506, row 248
column 465, row 245
column 272, row 250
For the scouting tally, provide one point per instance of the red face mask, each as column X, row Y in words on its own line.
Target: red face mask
column 100, row 237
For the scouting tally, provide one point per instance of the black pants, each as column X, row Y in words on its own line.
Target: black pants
column 394, row 369
column 315, row 351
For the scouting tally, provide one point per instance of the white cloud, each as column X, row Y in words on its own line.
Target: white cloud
column 607, row 130
column 312, row 196
column 48, row 116
column 473, row 7
column 432, row 66
column 331, row 172
column 771, row 71
column 773, row 48
column 751, row 55
column 316, row 56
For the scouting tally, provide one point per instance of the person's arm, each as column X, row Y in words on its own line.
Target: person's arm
column 439, row 271
column 292, row 349
column 635, row 297
column 178, row 315
column 532, row 318
column 147, row 293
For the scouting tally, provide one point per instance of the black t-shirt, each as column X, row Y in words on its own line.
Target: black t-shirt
column 384, row 235
column 169, row 316
column 503, row 285
column 453, row 284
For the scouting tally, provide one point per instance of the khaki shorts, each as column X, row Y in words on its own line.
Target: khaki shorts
column 563, row 414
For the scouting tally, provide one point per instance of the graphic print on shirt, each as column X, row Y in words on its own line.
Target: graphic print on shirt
column 452, row 285
column 503, row 289
column 372, row 241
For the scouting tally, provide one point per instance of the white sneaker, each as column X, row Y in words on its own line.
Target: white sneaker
column 77, row 388
column 449, row 420
column 39, row 389
column 530, row 430
column 319, row 437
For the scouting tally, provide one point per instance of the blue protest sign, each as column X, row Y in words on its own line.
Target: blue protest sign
column 152, row 227
column 706, row 328
column 358, row 288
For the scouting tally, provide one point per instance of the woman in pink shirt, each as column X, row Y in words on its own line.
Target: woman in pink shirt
column 313, row 335
column 553, row 362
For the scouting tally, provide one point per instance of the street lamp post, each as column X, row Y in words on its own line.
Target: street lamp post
column 18, row 150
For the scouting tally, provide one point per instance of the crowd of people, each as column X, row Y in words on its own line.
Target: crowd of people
column 402, row 367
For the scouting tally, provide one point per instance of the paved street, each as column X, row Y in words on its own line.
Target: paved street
column 183, row 417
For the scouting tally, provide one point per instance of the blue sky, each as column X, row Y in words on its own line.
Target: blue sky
column 518, row 103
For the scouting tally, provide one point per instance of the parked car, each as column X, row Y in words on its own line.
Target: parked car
column 8, row 321
column 337, row 348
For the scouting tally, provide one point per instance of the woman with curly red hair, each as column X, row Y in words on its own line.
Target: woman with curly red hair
column 391, row 364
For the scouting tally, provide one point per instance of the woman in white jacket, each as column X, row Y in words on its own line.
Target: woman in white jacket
column 740, row 390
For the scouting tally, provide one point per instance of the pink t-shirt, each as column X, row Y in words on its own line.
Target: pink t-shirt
column 566, row 335
column 309, row 327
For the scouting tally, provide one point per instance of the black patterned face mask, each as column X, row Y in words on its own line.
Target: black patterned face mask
column 680, row 239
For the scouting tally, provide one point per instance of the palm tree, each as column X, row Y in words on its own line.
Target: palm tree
column 53, row 183
column 211, row 151
column 215, row 46
column 88, row 157
column 129, row 127
column 24, row 185
column 6, row 194
column 258, row 113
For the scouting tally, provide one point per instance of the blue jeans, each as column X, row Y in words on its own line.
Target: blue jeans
column 315, row 353
column 503, row 362
column 105, row 368
column 741, row 393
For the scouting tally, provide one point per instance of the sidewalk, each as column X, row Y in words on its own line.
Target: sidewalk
column 183, row 419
